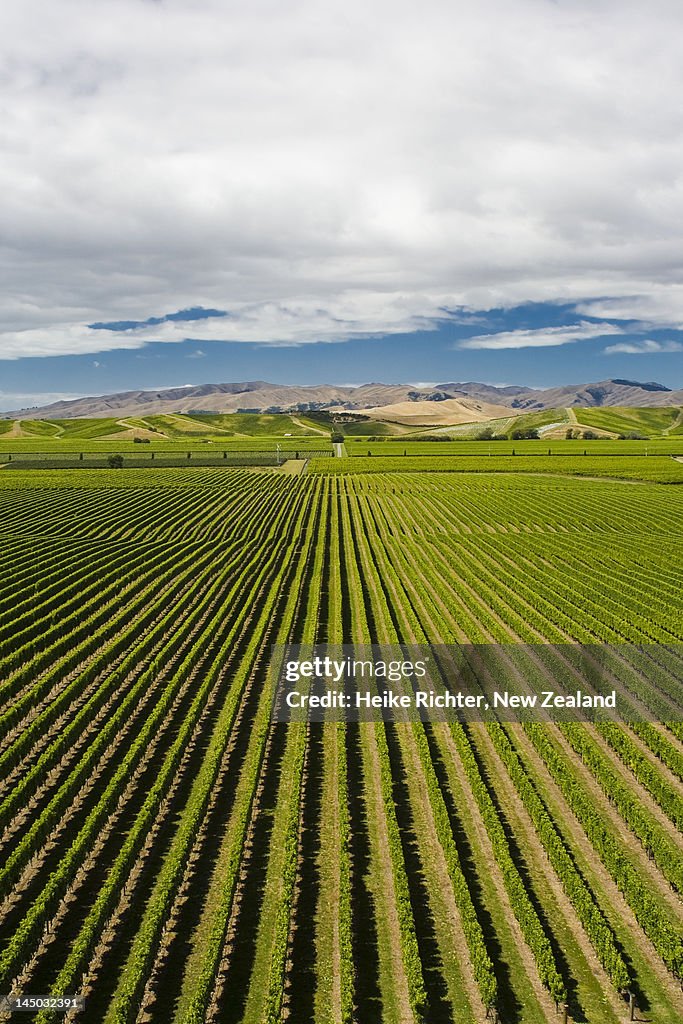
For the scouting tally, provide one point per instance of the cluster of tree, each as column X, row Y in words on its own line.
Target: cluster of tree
column 524, row 434
column 578, row 435
column 433, row 396
column 424, row 437
column 309, row 406
column 518, row 434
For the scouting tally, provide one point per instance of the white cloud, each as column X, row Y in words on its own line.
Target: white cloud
column 646, row 347
column 661, row 307
column 12, row 400
column 298, row 322
column 320, row 161
column 542, row 337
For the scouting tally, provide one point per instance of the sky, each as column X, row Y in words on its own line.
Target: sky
column 196, row 191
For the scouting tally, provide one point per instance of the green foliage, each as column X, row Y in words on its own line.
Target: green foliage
column 256, row 424
column 659, row 469
column 523, row 909
column 656, row 842
column 523, row 434
column 666, row 939
column 40, row 428
column 137, row 649
column 441, row 444
column 625, row 420
column 370, row 428
column 86, row 429
column 591, row 916
column 538, row 419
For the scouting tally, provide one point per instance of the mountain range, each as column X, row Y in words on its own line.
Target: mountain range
column 260, row 396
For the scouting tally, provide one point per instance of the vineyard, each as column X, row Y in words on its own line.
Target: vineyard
column 174, row 856
column 399, row 446
column 656, row 468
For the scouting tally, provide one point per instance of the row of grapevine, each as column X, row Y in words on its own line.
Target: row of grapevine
column 591, row 916
column 650, row 833
column 523, row 908
column 196, row 994
column 480, row 960
column 665, row 938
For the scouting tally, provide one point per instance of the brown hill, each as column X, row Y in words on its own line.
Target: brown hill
column 260, row 396
column 602, row 393
column 445, row 413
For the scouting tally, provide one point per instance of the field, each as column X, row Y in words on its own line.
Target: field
column 177, row 427
column 659, row 468
column 256, row 424
column 173, row 456
column 660, row 429
column 172, row 441
column 611, row 422
column 649, row 422
column 408, row 446
column 175, row 856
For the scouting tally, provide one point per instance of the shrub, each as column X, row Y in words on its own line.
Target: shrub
column 528, row 434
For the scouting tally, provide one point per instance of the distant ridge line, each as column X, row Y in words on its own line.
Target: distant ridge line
column 262, row 396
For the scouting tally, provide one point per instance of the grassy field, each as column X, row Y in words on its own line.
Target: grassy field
column 649, row 422
column 173, row 854
column 460, row 431
column 253, row 424
column 171, row 428
column 618, row 420
column 655, row 424
column 77, row 429
column 366, row 428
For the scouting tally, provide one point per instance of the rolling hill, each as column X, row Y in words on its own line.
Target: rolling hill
column 263, row 397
